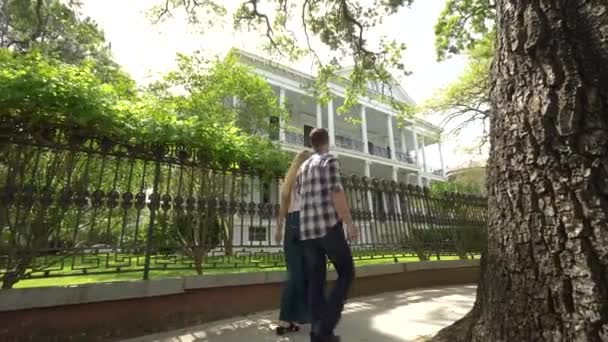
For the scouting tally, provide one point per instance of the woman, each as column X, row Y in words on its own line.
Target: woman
column 294, row 307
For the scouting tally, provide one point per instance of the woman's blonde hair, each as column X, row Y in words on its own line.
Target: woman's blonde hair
column 290, row 179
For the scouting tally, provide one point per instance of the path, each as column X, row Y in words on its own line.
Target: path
column 391, row 317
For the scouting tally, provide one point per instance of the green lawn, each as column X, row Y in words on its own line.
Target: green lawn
column 219, row 269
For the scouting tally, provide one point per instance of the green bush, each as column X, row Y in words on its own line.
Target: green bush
column 468, row 240
column 40, row 92
column 424, row 242
column 463, row 241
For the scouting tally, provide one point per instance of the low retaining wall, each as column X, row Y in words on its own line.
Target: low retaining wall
column 108, row 312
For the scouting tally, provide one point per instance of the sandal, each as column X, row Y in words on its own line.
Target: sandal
column 291, row 328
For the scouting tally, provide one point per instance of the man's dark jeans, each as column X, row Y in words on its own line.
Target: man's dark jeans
column 326, row 313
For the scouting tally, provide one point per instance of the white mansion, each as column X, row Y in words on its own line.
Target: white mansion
column 374, row 147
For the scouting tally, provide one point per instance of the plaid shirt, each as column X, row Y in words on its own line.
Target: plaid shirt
column 318, row 178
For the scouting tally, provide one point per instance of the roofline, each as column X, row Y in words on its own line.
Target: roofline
column 397, row 83
column 283, row 67
column 463, row 169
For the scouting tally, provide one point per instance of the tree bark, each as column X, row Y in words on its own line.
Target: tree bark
column 544, row 274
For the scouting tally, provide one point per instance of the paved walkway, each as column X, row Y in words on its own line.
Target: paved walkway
column 391, row 317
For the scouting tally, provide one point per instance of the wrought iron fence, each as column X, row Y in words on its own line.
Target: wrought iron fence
column 72, row 205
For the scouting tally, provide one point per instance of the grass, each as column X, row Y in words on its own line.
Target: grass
column 137, row 274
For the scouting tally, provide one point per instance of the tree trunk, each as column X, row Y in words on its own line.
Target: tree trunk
column 198, row 256
column 13, row 274
column 545, row 268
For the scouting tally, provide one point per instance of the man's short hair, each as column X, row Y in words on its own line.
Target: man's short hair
column 319, row 138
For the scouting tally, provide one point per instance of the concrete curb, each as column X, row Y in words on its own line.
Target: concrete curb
column 45, row 297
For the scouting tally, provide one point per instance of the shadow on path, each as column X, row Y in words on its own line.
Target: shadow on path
column 391, row 317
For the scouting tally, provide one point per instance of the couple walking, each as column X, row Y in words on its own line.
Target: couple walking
column 314, row 205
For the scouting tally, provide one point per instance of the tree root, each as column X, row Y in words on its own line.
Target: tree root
column 461, row 331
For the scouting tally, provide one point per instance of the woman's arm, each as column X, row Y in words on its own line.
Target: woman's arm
column 278, row 235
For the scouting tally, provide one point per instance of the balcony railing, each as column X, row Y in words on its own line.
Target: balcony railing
column 294, row 138
column 349, row 143
column 381, row 152
column 436, row 171
column 404, row 157
column 297, row 139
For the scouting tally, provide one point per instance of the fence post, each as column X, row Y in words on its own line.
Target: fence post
column 153, row 205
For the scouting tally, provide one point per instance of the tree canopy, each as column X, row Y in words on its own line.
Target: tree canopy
column 57, row 30
column 462, row 25
column 342, row 26
column 465, row 27
column 466, row 100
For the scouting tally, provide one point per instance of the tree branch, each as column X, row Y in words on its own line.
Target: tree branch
column 305, row 26
column 39, row 21
column 261, row 16
column 468, row 108
column 164, row 12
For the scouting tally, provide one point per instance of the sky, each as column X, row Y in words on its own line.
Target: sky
column 146, row 49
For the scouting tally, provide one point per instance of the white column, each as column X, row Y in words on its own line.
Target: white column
column 396, row 196
column 403, row 146
column 424, row 164
column 419, row 178
column 416, row 149
column 235, row 102
column 367, row 170
column 281, row 119
column 319, row 116
column 364, row 129
column 441, row 159
column 368, row 174
column 330, row 123
column 391, row 137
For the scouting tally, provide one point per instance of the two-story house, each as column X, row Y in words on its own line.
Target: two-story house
column 368, row 140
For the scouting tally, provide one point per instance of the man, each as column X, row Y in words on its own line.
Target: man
column 323, row 212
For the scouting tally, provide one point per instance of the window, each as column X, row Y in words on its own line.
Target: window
column 257, row 234
column 265, row 193
column 274, row 128
column 307, row 130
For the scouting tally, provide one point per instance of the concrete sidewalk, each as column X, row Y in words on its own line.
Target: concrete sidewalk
column 391, row 317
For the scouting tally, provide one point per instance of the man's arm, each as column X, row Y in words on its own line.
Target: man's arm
column 341, row 205
column 338, row 195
